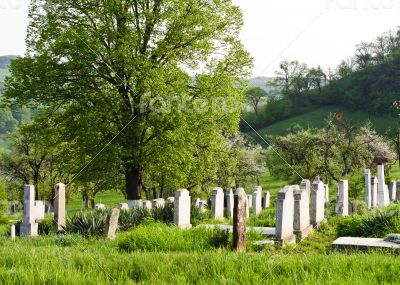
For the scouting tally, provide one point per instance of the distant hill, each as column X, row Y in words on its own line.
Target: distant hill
column 260, row 82
column 4, row 63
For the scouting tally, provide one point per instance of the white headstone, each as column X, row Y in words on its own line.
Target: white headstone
column 59, row 206
column 170, row 200
column 100, row 207
column 392, row 190
column 182, row 209
column 285, row 216
column 13, row 232
column 38, row 208
column 267, row 199
column 301, row 224
column 250, row 201
column 112, row 224
column 158, row 203
column 135, row 203
column 317, row 210
column 387, row 195
column 147, row 204
column 257, row 207
column 29, row 227
column 217, row 204
column 229, row 203
column 368, row 188
column 342, row 206
column 123, row 206
column 382, row 199
column 326, row 188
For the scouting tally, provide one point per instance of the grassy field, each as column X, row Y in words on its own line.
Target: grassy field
column 315, row 119
column 73, row 260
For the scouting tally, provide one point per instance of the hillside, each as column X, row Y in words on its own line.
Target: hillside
column 315, row 119
column 261, row 82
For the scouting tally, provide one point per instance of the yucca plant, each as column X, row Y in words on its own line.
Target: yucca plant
column 164, row 214
column 131, row 218
column 87, row 224
column 381, row 224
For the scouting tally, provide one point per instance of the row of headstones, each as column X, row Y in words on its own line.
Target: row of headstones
column 377, row 193
column 34, row 211
column 254, row 201
column 299, row 209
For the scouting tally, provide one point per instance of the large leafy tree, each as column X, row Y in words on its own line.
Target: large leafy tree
column 137, row 73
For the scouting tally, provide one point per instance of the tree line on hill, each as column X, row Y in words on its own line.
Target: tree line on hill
column 368, row 81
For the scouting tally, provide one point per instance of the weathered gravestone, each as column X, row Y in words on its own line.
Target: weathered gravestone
column 257, row 200
column 59, row 206
column 135, row 203
column 383, row 193
column 398, row 191
column 301, row 224
column 326, row 188
column 267, row 200
column 29, row 227
column 250, row 201
column 374, row 192
column 182, row 209
column 239, row 220
column 38, row 209
column 392, row 190
column 112, row 224
column 342, row 206
column 285, row 216
column 229, row 203
column 317, row 209
column 170, row 200
column 217, row 204
column 147, row 205
column 368, row 188
column 123, row 206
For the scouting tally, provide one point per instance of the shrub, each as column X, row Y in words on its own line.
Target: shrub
column 381, row 224
column 68, row 240
column 198, row 215
column 128, row 219
column 87, row 224
column 161, row 237
column 350, row 226
column 46, row 226
column 164, row 214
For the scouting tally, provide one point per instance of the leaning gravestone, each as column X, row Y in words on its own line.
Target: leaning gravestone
column 217, row 204
column 29, row 227
column 59, row 206
column 285, row 216
column 257, row 200
column 112, row 224
column 229, row 203
column 368, row 188
column 301, row 224
column 342, row 206
column 317, row 210
column 182, row 209
column 239, row 220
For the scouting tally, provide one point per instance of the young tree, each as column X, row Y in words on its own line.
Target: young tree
column 110, row 70
column 254, row 96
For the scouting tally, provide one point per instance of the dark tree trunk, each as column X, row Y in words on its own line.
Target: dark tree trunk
column 92, row 203
column 155, row 196
column 133, row 183
column 85, row 199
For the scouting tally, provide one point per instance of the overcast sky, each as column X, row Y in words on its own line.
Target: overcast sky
column 317, row 32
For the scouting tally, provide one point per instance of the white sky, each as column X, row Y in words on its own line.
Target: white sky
column 317, row 32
